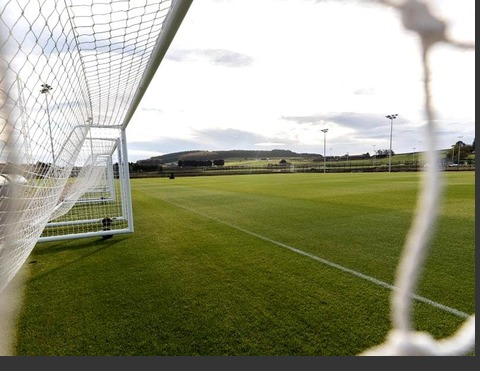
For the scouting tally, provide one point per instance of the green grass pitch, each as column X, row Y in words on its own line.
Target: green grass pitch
column 252, row 265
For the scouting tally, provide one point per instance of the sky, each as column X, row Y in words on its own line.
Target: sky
column 272, row 74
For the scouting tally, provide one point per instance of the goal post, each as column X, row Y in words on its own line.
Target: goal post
column 72, row 74
column 96, row 200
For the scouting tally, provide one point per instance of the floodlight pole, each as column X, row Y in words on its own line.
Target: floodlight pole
column 458, row 156
column 324, row 150
column 45, row 89
column 391, row 117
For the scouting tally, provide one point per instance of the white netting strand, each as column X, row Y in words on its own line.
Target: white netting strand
column 403, row 340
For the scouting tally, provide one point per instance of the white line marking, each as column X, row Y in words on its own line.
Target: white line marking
column 453, row 311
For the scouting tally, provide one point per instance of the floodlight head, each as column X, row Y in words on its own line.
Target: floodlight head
column 45, row 88
column 324, row 130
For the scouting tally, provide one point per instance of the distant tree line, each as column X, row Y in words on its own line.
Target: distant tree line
column 145, row 165
column 204, row 163
column 150, row 166
column 460, row 151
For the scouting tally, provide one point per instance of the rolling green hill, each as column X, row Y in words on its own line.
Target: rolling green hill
column 230, row 154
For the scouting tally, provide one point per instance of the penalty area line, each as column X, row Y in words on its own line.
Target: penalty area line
column 378, row 282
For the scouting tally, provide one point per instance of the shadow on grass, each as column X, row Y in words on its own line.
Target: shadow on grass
column 71, row 245
column 55, row 248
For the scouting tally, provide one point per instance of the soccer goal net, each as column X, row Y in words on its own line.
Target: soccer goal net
column 95, row 200
column 71, row 76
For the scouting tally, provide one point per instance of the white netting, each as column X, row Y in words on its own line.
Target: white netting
column 72, row 74
column 95, row 191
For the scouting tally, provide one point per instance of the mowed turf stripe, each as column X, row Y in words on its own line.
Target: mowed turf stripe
column 422, row 299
